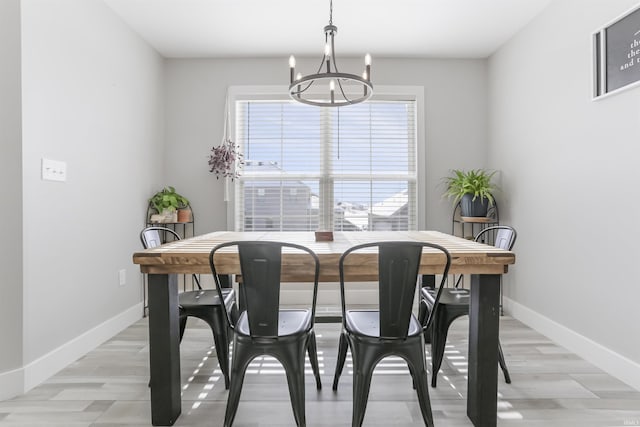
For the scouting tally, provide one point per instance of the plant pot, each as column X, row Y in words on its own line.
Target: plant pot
column 184, row 215
column 169, row 215
column 470, row 207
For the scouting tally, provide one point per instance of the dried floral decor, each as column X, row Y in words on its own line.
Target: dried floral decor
column 225, row 160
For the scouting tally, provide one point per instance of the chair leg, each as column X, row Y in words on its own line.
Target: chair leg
column 292, row 359
column 438, row 343
column 503, row 364
column 183, row 324
column 422, row 313
column 342, row 355
column 234, row 313
column 218, row 326
column 413, row 376
column 416, row 362
column 363, row 364
column 312, row 349
column 238, row 368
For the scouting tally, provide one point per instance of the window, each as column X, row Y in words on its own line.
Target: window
column 308, row 168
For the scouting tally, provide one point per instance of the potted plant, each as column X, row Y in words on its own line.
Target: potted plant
column 168, row 203
column 473, row 189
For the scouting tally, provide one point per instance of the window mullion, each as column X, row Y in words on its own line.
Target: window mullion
column 326, row 180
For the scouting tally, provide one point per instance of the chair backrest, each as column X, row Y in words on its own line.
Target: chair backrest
column 504, row 237
column 261, row 268
column 150, row 236
column 398, row 266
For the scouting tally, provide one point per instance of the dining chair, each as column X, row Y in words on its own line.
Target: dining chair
column 263, row 326
column 390, row 328
column 204, row 304
column 454, row 303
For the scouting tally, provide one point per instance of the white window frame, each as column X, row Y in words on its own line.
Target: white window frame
column 411, row 93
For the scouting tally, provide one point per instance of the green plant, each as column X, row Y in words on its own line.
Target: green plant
column 476, row 182
column 167, row 198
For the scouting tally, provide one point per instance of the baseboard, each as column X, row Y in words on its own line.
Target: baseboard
column 21, row 380
column 614, row 364
column 11, row 383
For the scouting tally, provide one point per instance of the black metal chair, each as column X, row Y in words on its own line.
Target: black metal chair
column 263, row 327
column 204, row 304
column 454, row 303
column 392, row 328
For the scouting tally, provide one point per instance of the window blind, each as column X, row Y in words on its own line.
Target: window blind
column 309, row 168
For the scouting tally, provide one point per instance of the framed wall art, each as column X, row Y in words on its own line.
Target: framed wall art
column 616, row 55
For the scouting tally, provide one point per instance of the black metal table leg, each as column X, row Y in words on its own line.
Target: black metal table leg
column 482, row 384
column 164, row 349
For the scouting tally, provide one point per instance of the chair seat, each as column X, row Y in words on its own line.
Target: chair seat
column 290, row 322
column 449, row 296
column 204, row 297
column 367, row 323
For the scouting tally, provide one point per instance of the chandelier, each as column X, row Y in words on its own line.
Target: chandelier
column 339, row 89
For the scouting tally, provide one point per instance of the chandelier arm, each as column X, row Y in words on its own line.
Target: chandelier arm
column 320, row 67
column 305, row 89
column 324, row 57
column 333, row 56
column 344, row 95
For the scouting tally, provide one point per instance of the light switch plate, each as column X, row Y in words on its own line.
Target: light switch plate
column 54, row 170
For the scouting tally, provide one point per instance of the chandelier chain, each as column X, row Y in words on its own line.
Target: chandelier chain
column 330, row 12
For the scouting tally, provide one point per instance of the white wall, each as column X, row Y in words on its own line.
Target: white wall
column 10, row 193
column 570, row 172
column 92, row 96
column 455, row 121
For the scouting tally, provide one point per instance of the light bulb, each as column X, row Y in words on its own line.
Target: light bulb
column 327, row 49
column 332, row 86
column 292, row 67
column 367, row 66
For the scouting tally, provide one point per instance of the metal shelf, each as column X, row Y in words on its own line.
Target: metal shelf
column 459, row 223
column 184, row 229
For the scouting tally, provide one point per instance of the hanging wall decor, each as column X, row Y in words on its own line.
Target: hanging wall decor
column 226, row 160
column 616, row 55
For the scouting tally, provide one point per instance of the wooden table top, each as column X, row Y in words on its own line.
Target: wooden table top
column 192, row 255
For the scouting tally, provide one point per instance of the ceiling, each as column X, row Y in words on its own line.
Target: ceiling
column 268, row 28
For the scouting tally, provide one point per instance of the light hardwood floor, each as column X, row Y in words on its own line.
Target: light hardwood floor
column 108, row 387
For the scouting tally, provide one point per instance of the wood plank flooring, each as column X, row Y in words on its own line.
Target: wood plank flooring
column 108, row 387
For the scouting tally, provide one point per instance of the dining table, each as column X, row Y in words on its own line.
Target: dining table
column 484, row 263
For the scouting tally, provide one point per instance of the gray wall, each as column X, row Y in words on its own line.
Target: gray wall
column 11, row 188
column 93, row 98
column 455, row 120
column 92, row 94
column 570, row 172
